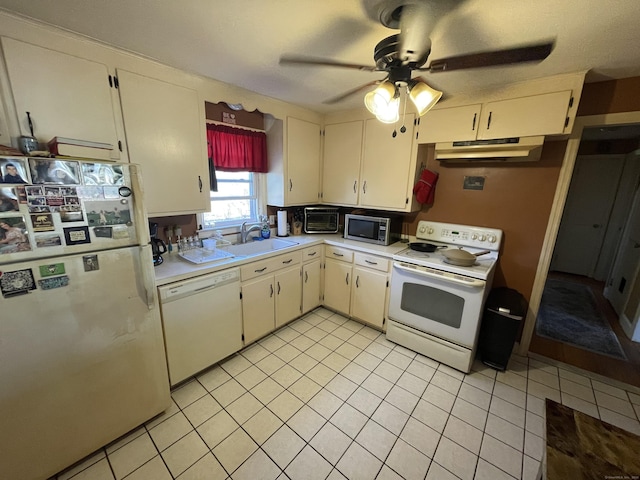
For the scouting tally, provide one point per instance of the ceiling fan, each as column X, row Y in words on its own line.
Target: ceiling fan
column 402, row 54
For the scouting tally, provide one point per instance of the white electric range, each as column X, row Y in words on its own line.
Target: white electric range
column 435, row 307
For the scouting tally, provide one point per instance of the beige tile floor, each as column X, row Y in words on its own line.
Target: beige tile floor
column 328, row 398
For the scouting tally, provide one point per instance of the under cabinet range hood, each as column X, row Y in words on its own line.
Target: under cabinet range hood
column 514, row 149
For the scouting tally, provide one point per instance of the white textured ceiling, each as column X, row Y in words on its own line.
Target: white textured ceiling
column 240, row 41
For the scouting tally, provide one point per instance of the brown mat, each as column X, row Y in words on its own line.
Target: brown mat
column 582, row 447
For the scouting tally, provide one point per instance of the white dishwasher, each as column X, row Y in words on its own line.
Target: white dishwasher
column 202, row 319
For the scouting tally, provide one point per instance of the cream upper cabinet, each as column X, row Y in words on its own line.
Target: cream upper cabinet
column 294, row 172
column 524, row 117
column 303, row 154
column 166, row 135
column 386, row 165
column 449, row 124
column 543, row 114
column 342, row 157
column 66, row 96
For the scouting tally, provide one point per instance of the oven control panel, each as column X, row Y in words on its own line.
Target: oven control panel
column 463, row 235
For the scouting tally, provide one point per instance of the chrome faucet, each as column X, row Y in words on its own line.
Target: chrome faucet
column 244, row 232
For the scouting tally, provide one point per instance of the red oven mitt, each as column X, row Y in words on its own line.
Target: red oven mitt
column 425, row 189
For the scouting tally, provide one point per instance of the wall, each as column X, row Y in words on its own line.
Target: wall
column 517, row 198
column 613, row 96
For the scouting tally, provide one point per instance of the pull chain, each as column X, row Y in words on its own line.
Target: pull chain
column 404, row 114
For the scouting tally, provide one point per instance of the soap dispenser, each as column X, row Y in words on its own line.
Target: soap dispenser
column 265, row 231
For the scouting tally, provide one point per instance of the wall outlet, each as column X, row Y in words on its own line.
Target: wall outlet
column 272, row 220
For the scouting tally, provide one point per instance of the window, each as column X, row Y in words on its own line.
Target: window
column 236, row 200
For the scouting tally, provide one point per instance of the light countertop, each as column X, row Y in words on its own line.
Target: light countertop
column 175, row 269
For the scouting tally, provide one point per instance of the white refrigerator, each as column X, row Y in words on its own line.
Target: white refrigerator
column 82, row 357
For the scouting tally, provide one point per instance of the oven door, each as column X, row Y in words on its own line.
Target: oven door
column 446, row 305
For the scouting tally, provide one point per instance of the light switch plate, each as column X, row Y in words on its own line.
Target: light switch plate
column 473, row 183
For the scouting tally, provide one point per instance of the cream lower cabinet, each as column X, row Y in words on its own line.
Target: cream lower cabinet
column 356, row 284
column 369, row 289
column 311, row 278
column 271, row 294
column 338, row 271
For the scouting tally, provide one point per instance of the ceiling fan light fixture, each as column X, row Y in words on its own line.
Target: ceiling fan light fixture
column 379, row 99
column 423, row 96
column 390, row 113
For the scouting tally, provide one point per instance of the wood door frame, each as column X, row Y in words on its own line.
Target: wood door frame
column 557, row 209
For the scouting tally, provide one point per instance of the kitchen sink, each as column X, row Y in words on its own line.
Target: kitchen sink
column 257, row 247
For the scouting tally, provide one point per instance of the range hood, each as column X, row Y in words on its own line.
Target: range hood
column 514, row 149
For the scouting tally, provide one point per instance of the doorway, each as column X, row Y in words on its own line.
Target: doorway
column 573, row 237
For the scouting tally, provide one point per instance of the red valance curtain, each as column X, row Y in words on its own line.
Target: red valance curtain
column 236, row 149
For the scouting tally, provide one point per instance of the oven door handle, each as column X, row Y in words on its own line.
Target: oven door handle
column 471, row 284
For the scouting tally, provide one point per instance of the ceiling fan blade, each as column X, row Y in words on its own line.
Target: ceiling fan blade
column 323, row 62
column 530, row 53
column 353, row 91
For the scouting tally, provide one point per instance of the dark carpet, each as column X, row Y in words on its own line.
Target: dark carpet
column 569, row 313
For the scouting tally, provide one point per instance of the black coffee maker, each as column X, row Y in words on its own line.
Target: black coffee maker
column 158, row 247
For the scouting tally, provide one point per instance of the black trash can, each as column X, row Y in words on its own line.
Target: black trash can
column 504, row 311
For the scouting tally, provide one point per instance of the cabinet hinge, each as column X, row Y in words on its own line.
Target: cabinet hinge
column 120, row 145
column 566, row 122
column 571, row 102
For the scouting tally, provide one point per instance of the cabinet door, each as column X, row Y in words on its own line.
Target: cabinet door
column 303, row 162
column 449, row 124
column 369, row 295
column 288, row 288
column 341, row 168
column 522, row 117
column 166, row 135
column 258, row 308
column 66, row 96
column 310, row 286
column 337, row 281
column 385, row 165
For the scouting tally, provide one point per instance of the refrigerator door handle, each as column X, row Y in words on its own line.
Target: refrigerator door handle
column 148, row 277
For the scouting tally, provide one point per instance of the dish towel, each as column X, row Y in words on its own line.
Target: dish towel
column 425, row 189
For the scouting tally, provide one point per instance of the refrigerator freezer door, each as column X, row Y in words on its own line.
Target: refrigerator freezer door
column 80, row 365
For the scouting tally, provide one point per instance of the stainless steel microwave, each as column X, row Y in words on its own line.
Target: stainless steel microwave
column 320, row 220
column 378, row 230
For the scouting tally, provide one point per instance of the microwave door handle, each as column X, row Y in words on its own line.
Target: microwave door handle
column 472, row 284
